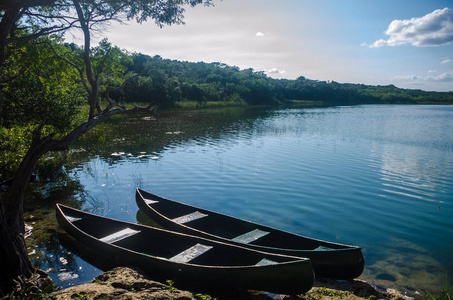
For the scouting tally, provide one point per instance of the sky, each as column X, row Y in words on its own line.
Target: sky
column 408, row 43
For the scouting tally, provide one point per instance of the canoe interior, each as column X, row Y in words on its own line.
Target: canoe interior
column 164, row 244
column 228, row 227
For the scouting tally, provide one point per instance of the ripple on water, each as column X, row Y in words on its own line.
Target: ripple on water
column 366, row 175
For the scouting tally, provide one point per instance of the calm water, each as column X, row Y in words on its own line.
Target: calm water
column 376, row 176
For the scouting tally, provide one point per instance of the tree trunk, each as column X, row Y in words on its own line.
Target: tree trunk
column 15, row 264
column 14, row 261
column 93, row 82
column 1, row 112
column 6, row 24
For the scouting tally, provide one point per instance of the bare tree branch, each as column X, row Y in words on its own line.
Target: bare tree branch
column 93, row 94
column 81, row 73
column 43, row 32
column 113, row 88
column 100, row 69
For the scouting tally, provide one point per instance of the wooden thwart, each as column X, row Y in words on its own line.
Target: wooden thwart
column 189, row 217
column 119, row 235
column 191, row 253
column 149, row 201
column 73, row 219
column 266, row 262
column 251, row 236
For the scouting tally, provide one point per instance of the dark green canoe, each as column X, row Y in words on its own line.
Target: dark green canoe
column 191, row 262
column 330, row 260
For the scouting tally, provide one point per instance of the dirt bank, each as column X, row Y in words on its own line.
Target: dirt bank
column 125, row 283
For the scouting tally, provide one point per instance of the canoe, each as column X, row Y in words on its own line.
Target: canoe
column 191, row 262
column 329, row 260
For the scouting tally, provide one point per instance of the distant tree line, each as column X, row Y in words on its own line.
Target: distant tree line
column 169, row 81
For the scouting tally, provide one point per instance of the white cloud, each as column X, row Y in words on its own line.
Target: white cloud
column 259, row 34
column 275, row 71
column 407, row 78
column 364, row 44
column 447, row 76
column 444, row 77
column 447, row 61
column 433, row 29
column 432, row 71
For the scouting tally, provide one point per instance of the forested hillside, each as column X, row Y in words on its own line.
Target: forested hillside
column 169, row 82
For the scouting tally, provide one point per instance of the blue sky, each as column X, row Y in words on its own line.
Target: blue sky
column 408, row 43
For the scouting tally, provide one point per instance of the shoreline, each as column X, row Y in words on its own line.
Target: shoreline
column 131, row 283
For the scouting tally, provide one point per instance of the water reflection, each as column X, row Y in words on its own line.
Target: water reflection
column 412, row 174
column 46, row 250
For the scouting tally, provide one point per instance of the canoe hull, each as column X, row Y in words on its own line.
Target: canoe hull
column 338, row 262
column 290, row 277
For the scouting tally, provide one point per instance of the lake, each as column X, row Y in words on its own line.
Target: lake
column 378, row 176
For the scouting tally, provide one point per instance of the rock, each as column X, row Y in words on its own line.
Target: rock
column 122, row 283
column 348, row 290
column 125, row 283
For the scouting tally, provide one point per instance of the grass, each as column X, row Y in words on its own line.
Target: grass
column 208, row 104
column 30, row 292
column 81, row 296
column 323, row 291
column 303, row 103
column 204, row 297
column 170, row 285
column 446, row 294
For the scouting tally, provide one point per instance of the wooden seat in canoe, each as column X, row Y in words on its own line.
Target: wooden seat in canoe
column 149, row 202
column 119, row 235
column 251, row 236
column 189, row 217
column 191, row 253
column 73, row 219
column 266, row 262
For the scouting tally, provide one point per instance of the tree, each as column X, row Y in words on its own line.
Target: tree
column 25, row 20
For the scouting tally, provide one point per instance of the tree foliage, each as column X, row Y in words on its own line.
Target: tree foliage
column 38, row 87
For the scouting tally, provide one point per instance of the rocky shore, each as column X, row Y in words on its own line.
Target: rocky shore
column 125, row 283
